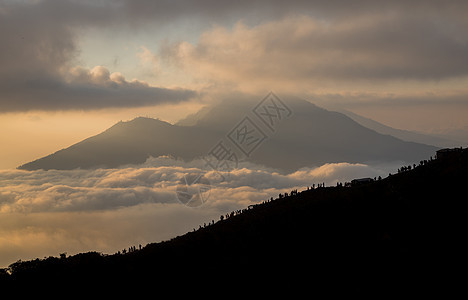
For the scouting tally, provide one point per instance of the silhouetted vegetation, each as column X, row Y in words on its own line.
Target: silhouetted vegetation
column 403, row 233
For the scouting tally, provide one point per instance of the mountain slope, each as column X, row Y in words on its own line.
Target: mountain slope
column 405, row 233
column 310, row 136
column 404, row 135
column 125, row 143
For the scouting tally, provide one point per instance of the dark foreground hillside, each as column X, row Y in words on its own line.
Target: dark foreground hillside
column 403, row 234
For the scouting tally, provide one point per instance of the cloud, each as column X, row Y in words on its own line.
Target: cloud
column 86, row 89
column 300, row 50
column 295, row 45
column 147, row 56
column 48, row 212
column 154, row 182
column 27, row 236
column 39, row 55
column 261, row 10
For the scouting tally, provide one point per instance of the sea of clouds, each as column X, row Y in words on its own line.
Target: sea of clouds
column 45, row 213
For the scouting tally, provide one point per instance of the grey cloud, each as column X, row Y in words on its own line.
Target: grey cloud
column 79, row 190
column 370, row 40
column 39, row 47
column 265, row 9
column 301, row 49
column 260, row 179
column 56, row 94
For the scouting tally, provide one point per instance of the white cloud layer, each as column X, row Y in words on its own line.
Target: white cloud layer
column 47, row 212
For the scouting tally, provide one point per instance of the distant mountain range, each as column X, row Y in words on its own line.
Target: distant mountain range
column 295, row 134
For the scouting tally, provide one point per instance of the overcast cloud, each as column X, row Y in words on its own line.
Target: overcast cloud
column 39, row 56
column 288, row 45
column 299, row 49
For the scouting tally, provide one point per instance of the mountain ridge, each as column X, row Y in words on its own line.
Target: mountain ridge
column 405, row 135
column 311, row 137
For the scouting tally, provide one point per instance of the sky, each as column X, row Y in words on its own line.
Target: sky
column 402, row 63
column 71, row 69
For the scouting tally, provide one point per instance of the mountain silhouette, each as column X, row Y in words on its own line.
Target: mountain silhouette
column 398, row 235
column 309, row 136
column 125, row 143
column 404, row 135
